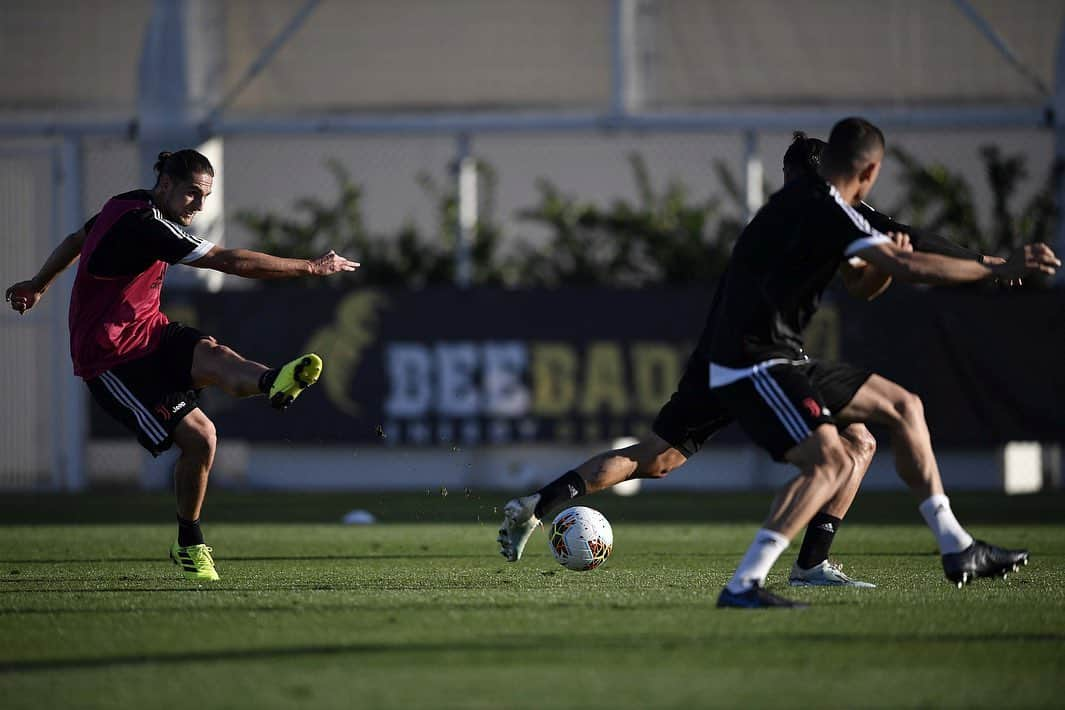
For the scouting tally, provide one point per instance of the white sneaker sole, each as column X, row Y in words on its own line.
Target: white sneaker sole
column 825, row 583
column 514, row 534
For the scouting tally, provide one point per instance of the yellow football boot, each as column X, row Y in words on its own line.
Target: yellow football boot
column 293, row 378
column 195, row 562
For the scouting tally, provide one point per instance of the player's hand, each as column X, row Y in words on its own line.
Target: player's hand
column 901, row 240
column 332, row 263
column 1035, row 258
column 996, row 261
column 23, row 296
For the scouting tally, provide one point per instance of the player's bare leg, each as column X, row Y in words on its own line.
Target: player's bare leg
column 216, row 365
column 652, row 457
column 220, row 366
column 812, row 567
column 823, row 464
column 195, row 437
column 883, row 402
column 861, row 446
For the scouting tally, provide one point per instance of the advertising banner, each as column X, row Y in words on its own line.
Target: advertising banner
column 481, row 367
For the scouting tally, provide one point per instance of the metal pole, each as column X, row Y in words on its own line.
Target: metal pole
column 754, row 196
column 730, row 121
column 999, row 43
column 70, row 435
column 262, row 61
column 1059, row 143
column 618, row 68
column 632, row 55
column 466, row 178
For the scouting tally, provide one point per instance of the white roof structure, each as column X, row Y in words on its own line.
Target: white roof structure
column 80, row 60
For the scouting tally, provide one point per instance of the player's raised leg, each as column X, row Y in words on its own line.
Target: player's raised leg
column 812, row 568
column 652, row 457
column 221, row 366
column 964, row 559
column 195, row 437
column 690, row 417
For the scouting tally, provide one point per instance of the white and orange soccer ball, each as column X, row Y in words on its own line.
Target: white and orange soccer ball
column 580, row 538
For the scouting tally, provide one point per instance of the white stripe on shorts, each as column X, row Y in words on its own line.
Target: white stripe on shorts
column 781, row 405
column 789, row 405
column 151, row 428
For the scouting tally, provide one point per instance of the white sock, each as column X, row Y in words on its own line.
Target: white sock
column 755, row 565
column 949, row 533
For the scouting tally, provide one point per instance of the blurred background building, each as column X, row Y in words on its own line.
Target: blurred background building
column 408, row 96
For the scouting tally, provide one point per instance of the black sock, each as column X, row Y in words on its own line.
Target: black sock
column 559, row 491
column 188, row 532
column 266, row 381
column 819, row 534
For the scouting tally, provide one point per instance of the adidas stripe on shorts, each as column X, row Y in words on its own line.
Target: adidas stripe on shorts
column 779, row 405
column 151, row 394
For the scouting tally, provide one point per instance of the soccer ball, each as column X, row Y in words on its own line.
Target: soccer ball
column 580, row 538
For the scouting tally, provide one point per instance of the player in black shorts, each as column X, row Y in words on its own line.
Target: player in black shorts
column 759, row 372
column 693, row 415
column 145, row 371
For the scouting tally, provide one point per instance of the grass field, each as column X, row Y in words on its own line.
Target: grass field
column 420, row 611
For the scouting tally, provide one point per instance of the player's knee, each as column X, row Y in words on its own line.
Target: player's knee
column 864, row 446
column 205, row 356
column 660, row 465
column 211, row 349
column 833, row 464
column 909, row 408
column 198, row 437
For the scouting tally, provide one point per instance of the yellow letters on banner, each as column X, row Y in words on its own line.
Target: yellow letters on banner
column 655, row 372
column 604, row 380
column 554, row 378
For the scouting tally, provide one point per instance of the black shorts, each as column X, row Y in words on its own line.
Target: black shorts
column 781, row 405
column 693, row 414
column 151, row 394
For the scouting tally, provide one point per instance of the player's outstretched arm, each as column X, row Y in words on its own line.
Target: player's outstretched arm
column 258, row 265
column 921, row 267
column 863, row 280
column 24, row 295
column 922, row 241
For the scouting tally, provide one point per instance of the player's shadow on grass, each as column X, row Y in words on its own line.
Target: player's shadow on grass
column 494, row 646
column 220, row 560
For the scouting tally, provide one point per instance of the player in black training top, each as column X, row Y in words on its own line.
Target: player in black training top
column 795, row 408
column 693, row 415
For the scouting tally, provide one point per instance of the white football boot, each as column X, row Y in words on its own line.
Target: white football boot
column 519, row 521
column 826, row 574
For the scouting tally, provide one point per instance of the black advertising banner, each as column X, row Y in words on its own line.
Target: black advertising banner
column 987, row 364
column 452, row 367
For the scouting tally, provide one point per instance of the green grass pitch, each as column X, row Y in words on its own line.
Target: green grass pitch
column 420, row 611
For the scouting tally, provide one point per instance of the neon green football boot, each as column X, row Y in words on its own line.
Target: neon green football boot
column 195, row 562
column 293, row 378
